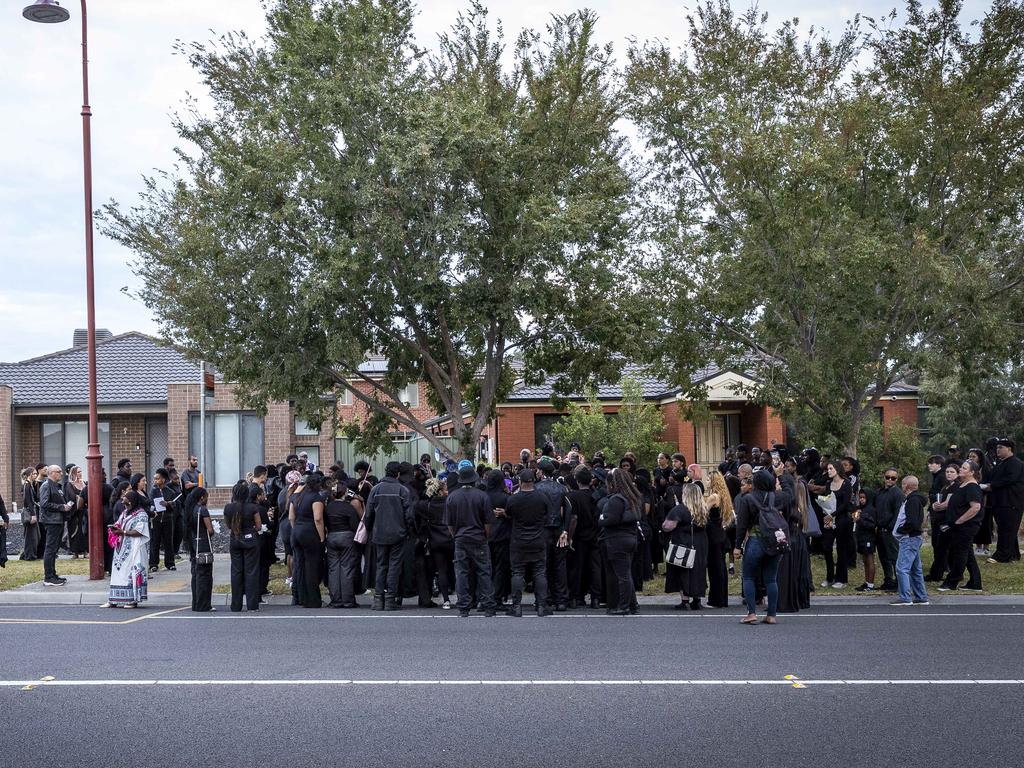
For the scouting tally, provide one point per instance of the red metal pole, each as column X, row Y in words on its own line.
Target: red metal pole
column 93, row 456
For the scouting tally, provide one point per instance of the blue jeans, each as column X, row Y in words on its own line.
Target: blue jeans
column 756, row 560
column 909, row 575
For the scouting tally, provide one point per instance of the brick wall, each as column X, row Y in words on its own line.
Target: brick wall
column 903, row 410
column 358, row 409
column 27, row 439
column 127, row 432
column 8, row 472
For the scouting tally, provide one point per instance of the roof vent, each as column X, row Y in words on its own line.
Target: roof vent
column 81, row 336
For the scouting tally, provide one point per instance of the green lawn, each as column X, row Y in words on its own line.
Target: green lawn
column 21, row 572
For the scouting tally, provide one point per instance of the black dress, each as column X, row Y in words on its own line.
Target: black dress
column 794, row 578
column 30, row 507
column 202, row 575
column 78, row 540
column 691, row 582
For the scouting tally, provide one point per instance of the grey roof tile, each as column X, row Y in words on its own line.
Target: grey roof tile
column 131, row 368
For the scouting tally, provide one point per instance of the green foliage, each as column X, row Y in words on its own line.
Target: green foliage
column 901, row 449
column 350, row 194
column 968, row 413
column 844, row 208
column 637, row 426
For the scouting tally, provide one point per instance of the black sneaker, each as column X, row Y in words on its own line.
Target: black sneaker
column 971, row 589
column 171, row 568
column 865, row 587
column 922, row 602
column 463, row 614
column 54, row 582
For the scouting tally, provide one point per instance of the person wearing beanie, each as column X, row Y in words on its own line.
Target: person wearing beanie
column 558, row 525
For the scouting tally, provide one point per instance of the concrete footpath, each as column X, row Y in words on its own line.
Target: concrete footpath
column 173, row 588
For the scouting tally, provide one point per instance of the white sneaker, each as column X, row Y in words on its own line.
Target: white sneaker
column 288, row 581
column 825, row 584
column 838, row 585
column 447, row 605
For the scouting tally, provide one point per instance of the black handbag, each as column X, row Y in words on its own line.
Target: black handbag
column 203, row 558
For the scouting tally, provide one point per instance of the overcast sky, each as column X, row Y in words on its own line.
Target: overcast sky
column 136, row 83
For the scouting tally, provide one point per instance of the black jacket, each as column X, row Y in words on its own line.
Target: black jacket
column 51, row 503
column 389, row 513
column 887, row 506
column 1007, row 484
column 559, row 508
column 913, row 523
column 468, row 513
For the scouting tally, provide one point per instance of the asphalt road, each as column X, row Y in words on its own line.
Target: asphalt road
column 679, row 690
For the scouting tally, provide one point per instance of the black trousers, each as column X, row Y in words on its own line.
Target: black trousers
column 202, row 587
column 473, row 560
column 162, row 531
column 618, row 550
column 423, row 569
column 341, row 568
column 1007, row 528
column 266, row 560
column 444, row 559
column 179, row 532
column 501, row 570
column 388, row 569
column 558, row 579
column 984, row 535
column 836, row 566
column 888, row 551
column 961, row 555
column 53, row 532
column 408, row 588
column 245, row 573
column 533, row 561
column 307, row 552
column 940, row 551
column 585, row 570
column 718, row 574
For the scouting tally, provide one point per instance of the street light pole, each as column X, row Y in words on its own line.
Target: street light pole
column 51, row 12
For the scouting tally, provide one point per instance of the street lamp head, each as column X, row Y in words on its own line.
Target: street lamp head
column 46, row 12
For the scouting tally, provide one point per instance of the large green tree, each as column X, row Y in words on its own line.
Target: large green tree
column 839, row 212
column 350, row 194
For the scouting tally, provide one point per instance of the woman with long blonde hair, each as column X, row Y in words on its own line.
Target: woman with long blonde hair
column 687, row 525
column 720, row 516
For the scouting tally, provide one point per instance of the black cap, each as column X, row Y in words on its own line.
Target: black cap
column 468, row 476
column 1007, row 442
column 527, row 476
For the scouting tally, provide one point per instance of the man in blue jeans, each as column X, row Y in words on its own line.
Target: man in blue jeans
column 907, row 531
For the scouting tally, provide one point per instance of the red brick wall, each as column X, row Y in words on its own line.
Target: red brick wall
column 27, row 438
column 898, row 411
column 8, row 473
column 358, row 409
column 126, row 432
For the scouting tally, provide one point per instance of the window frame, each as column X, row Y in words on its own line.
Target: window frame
column 209, row 473
column 64, row 442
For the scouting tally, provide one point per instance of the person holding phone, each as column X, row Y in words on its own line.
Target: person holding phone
column 129, row 577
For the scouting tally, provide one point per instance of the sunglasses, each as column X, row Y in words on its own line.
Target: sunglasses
column 890, row 477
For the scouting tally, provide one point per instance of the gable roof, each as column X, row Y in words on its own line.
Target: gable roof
column 654, row 388
column 131, row 368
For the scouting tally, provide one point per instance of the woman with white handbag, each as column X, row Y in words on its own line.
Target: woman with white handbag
column 686, row 558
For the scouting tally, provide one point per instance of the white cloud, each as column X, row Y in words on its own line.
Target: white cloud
column 137, row 82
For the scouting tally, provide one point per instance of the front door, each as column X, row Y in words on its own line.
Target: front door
column 157, row 447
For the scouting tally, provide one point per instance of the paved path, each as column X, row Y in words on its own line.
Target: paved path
column 840, row 685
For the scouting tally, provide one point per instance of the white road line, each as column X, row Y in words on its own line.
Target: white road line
column 509, row 683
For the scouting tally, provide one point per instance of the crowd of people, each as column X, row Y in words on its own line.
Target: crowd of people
column 575, row 530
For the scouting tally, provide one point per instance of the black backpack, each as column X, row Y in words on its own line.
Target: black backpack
column 773, row 525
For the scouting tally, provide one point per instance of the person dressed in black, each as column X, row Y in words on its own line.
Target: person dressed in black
column 389, row 518
column 499, row 542
column 306, row 514
column 558, row 525
column 963, row 518
column 721, row 517
column 867, row 536
column 5, row 521
column 618, row 515
column 468, row 514
column 30, row 515
column 940, row 541
column 165, row 511
column 1006, row 498
column 441, row 546
column 342, row 521
column 686, row 523
column 526, row 512
column 887, row 507
column 794, row 575
column 584, row 555
column 838, row 526
column 242, row 517
column 53, row 510
column 199, row 529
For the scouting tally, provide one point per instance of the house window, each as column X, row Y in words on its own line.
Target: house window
column 345, row 398
column 312, row 453
column 304, row 428
column 411, row 395
column 66, row 442
column 234, row 445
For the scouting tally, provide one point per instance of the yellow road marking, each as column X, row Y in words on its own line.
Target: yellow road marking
column 795, row 680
